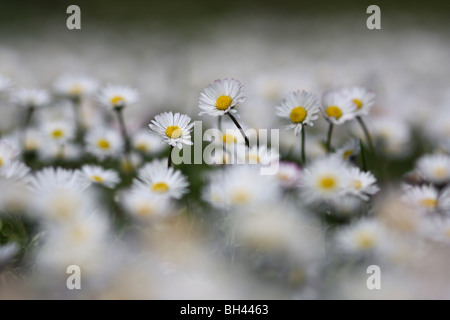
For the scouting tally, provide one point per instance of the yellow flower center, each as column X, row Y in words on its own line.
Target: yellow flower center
column 440, row 172
column 97, row 178
column 103, row 144
column 327, row 182
column 141, row 147
column 357, row 184
column 229, row 139
column 173, row 132
column 1, row 162
column 347, row 154
column 358, row 103
column 146, row 210
column 76, row 90
column 365, row 240
column 298, row 114
column 117, row 100
column 58, row 133
column 254, row 158
column 240, row 197
column 160, row 187
column 223, row 102
column 428, row 203
column 334, row 112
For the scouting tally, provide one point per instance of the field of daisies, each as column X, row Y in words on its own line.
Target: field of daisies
column 146, row 165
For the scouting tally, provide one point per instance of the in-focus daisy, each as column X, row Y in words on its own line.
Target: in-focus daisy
column 350, row 149
column 300, row 108
column 147, row 143
column 156, row 178
column 336, row 108
column 424, row 198
column 361, row 184
column 5, row 84
column 7, row 152
column 75, row 86
column 221, row 97
column 362, row 98
column 174, row 129
column 104, row 143
column 31, row 98
column 324, row 179
column 58, row 130
column 144, row 206
column 288, row 175
column 435, row 168
column 98, row 175
column 117, row 96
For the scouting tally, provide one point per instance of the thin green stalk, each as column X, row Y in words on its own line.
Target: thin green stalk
column 236, row 123
column 126, row 139
column 303, row 145
column 363, row 156
column 366, row 134
column 169, row 159
column 329, row 135
column 219, row 123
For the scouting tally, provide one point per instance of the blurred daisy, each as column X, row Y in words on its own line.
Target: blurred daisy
column 54, row 178
column 98, row 175
column 288, row 175
column 52, row 151
column 350, row 149
column 424, row 198
column 31, row 98
column 58, row 131
column 256, row 155
column 5, row 84
column 7, row 152
column 75, row 86
column 435, row 168
column 156, row 178
column 146, row 142
column 117, row 96
column 362, row 98
column 174, row 129
column 300, row 108
column 336, row 108
column 324, row 179
column 104, row 143
column 361, row 184
column 221, row 97
column 145, row 207
column 15, row 170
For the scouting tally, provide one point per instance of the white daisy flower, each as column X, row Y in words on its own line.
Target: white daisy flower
column 435, row 168
column 7, row 152
column 365, row 236
column 324, row 179
column 350, row 149
column 54, row 178
column 257, row 155
column 54, row 150
column 240, row 187
column 424, row 198
column 34, row 139
column 104, row 143
column 31, row 98
column 288, row 175
column 14, row 187
column 75, row 86
column 144, row 206
column 444, row 200
column 300, row 108
column 156, row 178
column 117, row 96
column 438, row 230
column 227, row 138
column 58, row 130
column 336, row 108
column 146, row 142
column 15, row 170
column 174, row 129
column 5, row 84
column 361, row 184
column 98, row 175
column 221, row 97
column 362, row 98
column 346, row 205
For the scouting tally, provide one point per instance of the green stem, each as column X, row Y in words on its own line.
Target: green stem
column 303, row 145
column 169, row 159
column 236, row 123
column 126, row 139
column 76, row 104
column 329, row 135
column 363, row 156
column 26, row 124
column 219, row 123
column 366, row 134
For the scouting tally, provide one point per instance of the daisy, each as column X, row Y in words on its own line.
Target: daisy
column 300, row 108
column 54, row 150
column 5, row 84
column 336, row 108
column 56, row 178
column 98, row 175
column 31, row 98
column 435, row 168
column 75, row 86
column 15, row 170
column 58, row 131
column 362, row 98
column 361, row 184
column 256, row 155
column 221, row 97
column 146, row 142
column 159, row 180
column 174, row 129
column 324, row 179
column 424, row 198
column 117, row 96
column 7, row 152
column 350, row 149
column 104, row 143
column 288, row 175
column 145, row 207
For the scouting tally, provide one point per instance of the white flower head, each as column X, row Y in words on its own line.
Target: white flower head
column 174, row 129
column 288, row 175
column 424, row 198
column 435, row 168
column 75, row 86
column 104, row 143
column 144, row 206
column 221, row 97
column 300, row 108
column 31, row 98
column 349, row 149
column 361, row 184
column 8, row 152
column 58, row 130
column 117, row 96
column 145, row 142
column 257, row 155
column 5, row 84
column 159, row 180
column 98, row 175
column 362, row 98
column 336, row 108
